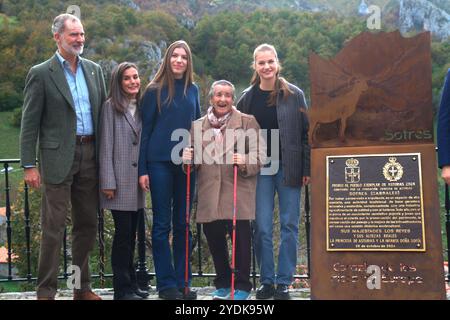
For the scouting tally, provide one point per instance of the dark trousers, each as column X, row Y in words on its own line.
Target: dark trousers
column 80, row 190
column 122, row 253
column 216, row 235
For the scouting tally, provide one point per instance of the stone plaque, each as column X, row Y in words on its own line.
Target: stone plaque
column 375, row 203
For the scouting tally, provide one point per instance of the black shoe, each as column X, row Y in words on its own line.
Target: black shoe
column 141, row 293
column 282, row 292
column 127, row 296
column 170, row 294
column 191, row 295
column 266, row 291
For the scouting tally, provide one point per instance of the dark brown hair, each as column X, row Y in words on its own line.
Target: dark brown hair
column 117, row 96
column 165, row 78
column 281, row 84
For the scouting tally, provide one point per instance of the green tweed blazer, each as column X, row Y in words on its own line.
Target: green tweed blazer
column 49, row 121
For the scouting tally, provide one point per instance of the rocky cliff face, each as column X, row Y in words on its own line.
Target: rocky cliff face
column 409, row 15
column 443, row 4
column 417, row 15
column 147, row 54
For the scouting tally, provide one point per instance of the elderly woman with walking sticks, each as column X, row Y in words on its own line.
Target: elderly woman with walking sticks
column 227, row 159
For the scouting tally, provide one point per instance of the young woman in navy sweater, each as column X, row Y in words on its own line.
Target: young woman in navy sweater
column 170, row 102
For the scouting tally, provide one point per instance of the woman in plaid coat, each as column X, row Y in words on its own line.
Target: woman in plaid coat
column 120, row 130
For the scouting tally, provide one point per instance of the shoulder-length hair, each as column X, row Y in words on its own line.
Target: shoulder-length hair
column 281, row 84
column 164, row 76
column 117, row 95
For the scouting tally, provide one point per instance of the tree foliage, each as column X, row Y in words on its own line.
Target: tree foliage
column 222, row 44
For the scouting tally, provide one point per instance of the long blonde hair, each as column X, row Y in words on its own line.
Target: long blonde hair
column 165, row 78
column 281, row 84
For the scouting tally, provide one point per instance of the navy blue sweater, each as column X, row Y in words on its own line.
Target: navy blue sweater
column 157, row 127
column 443, row 125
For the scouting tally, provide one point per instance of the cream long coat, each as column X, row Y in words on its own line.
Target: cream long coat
column 215, row 180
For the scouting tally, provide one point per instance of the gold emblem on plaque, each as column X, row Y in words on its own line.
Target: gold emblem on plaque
column 352, row 172
column 393, row 171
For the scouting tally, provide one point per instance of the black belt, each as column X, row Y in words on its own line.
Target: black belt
column 85, row 139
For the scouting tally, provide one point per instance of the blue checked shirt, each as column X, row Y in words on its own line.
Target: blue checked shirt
column 80, row 95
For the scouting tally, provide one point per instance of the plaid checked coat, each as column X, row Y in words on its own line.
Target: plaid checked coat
column 120, row 136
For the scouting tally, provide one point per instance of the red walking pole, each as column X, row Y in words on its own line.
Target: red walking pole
column 233, row 237
column 188, row 194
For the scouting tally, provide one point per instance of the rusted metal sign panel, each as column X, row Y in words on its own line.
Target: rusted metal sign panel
column 376, row 91
column 375, row 210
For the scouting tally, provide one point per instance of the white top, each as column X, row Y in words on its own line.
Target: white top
column 132, row 107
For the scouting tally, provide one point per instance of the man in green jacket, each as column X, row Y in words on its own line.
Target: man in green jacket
column 62, row 103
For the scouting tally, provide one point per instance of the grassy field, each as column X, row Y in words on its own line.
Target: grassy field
column 9, row 149
column 10, row 287
column 9, row 143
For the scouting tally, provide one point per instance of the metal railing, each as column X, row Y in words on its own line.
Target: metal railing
column 142, row 272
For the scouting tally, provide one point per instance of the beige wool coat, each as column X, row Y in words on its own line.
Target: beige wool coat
column 215, row 179
column 120, row 136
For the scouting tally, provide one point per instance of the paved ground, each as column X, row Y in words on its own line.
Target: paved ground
column 107, row 294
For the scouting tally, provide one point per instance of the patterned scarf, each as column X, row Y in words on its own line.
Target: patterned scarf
column 218, row 124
